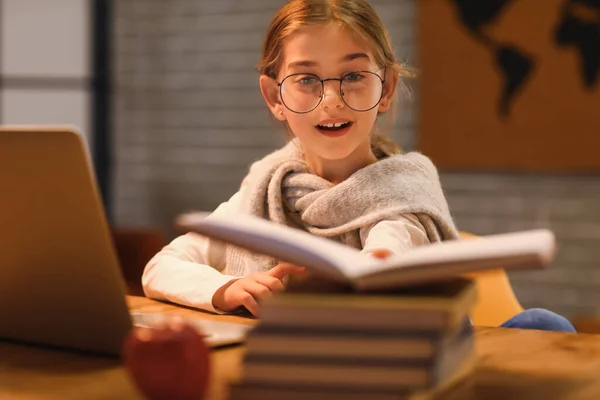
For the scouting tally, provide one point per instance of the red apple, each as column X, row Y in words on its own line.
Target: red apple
column 168, row 363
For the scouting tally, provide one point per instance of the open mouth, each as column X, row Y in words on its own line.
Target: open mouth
column 334, row 129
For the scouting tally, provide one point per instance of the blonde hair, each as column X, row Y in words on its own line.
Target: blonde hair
column 358, row 17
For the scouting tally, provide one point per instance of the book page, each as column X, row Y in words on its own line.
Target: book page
column 328, row 258
column 528, row 249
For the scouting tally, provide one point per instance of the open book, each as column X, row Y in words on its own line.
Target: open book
column 334, row 261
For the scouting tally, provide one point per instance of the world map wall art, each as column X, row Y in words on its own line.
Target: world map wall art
column 510, row 85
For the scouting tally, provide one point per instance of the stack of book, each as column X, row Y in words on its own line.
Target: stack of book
column 391, row 345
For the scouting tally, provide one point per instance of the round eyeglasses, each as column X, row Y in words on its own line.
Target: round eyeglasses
column 360, row 91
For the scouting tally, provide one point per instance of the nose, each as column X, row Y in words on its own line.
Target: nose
column 331, row 95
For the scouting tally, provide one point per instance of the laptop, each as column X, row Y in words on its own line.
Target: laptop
column 60, row 281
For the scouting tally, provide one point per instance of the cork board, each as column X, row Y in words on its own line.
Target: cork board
column 510, row 85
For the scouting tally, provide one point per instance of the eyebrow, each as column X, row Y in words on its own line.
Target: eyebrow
column 354, row 56
column 347, row 58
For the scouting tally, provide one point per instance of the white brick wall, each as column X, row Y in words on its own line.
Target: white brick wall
column 189, row 118
column 487, row 203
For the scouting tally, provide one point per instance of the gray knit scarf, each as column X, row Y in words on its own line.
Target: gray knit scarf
column 281, row 188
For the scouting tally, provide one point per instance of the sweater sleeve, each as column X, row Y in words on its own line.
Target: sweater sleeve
column 398, row 235
column 189, row 270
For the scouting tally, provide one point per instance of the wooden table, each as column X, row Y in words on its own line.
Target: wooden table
column 513, row 364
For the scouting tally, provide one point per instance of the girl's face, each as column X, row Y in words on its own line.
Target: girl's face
column 323, row 52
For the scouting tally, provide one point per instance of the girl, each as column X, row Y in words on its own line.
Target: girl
column 328, row 72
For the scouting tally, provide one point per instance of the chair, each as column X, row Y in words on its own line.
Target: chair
column 496, row 300
column 135, row 247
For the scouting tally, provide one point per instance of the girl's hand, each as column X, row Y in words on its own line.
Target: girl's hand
column 249, row 290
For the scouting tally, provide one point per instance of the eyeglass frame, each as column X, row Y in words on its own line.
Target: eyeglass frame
column 340, row 80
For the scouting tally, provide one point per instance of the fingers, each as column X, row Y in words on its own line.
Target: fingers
column 271, row 282
column 257, row 290
column 248, row 301
column 249, row 291
column 253, row 293
column 282, row 270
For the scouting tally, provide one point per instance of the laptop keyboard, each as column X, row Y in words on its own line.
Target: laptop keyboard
column 215, row 333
